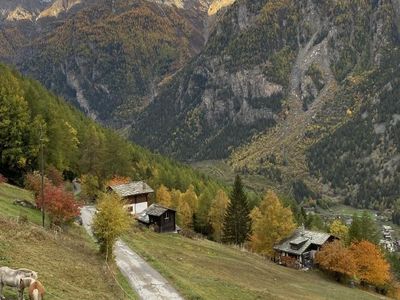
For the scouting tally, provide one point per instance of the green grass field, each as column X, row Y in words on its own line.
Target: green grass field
column 201, row 269
column 8, row 194
column 67, row 263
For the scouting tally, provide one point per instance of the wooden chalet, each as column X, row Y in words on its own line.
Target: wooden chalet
column 298, row 251
column 163, row 219
column 135, row 194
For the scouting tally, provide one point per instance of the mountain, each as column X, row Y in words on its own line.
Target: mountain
column 106, row 57
column 303, row 92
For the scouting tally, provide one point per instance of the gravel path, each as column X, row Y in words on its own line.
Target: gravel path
column 147, row 282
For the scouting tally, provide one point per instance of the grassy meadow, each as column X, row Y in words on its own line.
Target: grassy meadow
column 201, row 269
column 68, row 264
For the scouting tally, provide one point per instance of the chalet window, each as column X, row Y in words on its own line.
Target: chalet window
column 130, row 208
column 166, row 216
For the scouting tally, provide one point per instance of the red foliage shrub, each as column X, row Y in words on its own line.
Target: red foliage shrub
column 33, row 182
column 59, row 204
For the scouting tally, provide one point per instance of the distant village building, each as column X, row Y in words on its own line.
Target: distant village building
column 298, row 251
column 163, row 219
column 136, row 195
column 387, row 242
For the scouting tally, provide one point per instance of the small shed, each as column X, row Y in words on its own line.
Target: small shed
column 135, row 194
column 162, row 218
column 299, row 249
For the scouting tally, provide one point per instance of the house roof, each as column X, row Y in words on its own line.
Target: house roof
column 132, row 189
column 303, row 238
column 153, row 210
column 299, row 240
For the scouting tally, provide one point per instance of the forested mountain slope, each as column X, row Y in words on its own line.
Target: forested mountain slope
column 107, row 57
column 75, row 144
column 308, row 86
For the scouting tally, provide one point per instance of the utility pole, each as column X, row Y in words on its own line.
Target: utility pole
column 42, row 172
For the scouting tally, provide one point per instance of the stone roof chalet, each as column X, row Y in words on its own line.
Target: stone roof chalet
column 155, row 210
column 301, row 240
column 132, row 189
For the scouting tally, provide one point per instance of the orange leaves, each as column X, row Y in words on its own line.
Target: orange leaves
column 362, row 260
column 371, row 265
column 335, row 257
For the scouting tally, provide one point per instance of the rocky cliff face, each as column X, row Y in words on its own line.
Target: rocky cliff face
column 230, row 91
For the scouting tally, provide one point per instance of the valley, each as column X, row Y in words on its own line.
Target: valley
column 226, row 149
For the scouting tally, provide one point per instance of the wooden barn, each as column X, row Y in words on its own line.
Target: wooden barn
column 298, row 251
column 163, row 219
column 135, row 194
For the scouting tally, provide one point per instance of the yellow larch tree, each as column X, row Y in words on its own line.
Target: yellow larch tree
column 185, row 214
column 111, row 221
column 217, row 214
column 340, row 230
column 163, row 196
column 271, row 222
column 175, row 198
column 191, row 198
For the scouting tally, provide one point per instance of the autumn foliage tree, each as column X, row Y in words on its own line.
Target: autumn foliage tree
column 371, row 266
column 362, row 261
column 337, row 259
column 217, row 213
column 340, row 230
column 272, row 222
column 185, row 214
column 59, row 204
column 163, row 196
column 190, row 197
column 111, row 221
column 33, row 182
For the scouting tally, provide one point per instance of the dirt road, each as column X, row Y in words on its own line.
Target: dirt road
column 147, row 282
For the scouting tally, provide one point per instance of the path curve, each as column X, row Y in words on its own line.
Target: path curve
column 146, row 281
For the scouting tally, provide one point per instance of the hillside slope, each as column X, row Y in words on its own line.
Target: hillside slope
column 63, row 261
column 202, row 269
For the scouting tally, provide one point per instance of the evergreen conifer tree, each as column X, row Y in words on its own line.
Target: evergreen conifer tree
column 237, row 222
column 364, row 228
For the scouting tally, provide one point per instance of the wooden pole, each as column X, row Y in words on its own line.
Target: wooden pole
column 42, row 174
